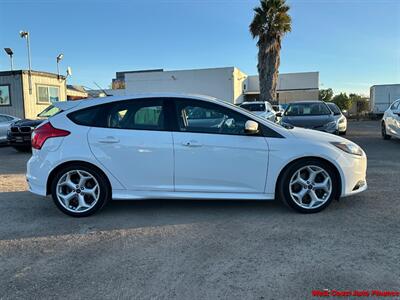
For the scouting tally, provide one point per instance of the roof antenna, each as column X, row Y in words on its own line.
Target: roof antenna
column 102, row 89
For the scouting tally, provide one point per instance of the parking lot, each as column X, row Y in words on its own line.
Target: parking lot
column 203, row 249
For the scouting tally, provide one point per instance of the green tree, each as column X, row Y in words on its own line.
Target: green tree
column 326, row 95
column 270, row 23
column 343, row 101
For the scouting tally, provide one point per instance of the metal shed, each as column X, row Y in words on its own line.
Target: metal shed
column 24, row 94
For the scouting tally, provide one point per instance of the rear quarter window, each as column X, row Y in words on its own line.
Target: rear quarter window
column 87, row 116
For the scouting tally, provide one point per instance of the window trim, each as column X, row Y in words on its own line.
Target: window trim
column 264, row 131
column 9, row 95
column 48, row 93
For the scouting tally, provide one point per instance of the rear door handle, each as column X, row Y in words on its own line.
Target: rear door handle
column 108, row 140
column 191, row 144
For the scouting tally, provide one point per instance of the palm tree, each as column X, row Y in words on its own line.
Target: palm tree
column 270, row 23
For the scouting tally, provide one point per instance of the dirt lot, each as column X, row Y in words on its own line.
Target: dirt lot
column 203, row 249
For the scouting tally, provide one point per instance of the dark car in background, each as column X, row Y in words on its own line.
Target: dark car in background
column 310, row 114
column 19, row 134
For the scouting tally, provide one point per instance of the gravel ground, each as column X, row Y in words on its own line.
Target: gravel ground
column 203, row 249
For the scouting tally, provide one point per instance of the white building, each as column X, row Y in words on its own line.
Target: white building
column 228, row 84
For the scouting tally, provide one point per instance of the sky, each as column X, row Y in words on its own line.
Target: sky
column 352, row 43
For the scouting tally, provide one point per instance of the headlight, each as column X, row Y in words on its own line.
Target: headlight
column 331, row 124
column 349, row 147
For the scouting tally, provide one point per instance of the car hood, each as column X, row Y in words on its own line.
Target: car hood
column 313, row 122
column 319, row 136
column 28, row 122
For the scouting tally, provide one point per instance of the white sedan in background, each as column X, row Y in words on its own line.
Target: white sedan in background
column 260, row 108
column 5, row 123
column 173, row 146
column 391, row 121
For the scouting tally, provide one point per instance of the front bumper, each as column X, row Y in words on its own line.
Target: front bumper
column 354, row 177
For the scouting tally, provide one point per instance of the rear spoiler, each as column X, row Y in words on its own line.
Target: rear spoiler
column 66, row 105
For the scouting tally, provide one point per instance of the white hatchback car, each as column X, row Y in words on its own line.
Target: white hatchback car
column 391, row 121
column 171, row 146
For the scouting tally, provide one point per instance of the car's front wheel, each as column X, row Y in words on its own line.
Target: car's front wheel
column 308, row 186
column 385, row 136
column 80, row 191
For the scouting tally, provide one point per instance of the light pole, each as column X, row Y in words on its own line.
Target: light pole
column 59, row 58
column 25, row 34
column 10, row 53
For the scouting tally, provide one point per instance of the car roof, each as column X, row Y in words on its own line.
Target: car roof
column 307, row 102
column 253, row 102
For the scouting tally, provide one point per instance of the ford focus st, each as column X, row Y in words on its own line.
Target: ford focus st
column 168, row 146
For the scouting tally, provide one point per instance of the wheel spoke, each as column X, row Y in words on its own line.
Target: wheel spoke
column 81, row 202
column 314, row 198
column 67, row 198
column 325, row 185
column 300, row 195
column 91, row 192
column 313, row 174
column 68, row 182
column 82, row 178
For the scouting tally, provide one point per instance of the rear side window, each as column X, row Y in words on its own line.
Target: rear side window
column 87, row 116
column 140, row 114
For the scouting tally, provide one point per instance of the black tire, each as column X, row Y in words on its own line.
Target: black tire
column 385, row 136
column 343, row 132
column 105, row 189
column 284, row 181
column 25, row 149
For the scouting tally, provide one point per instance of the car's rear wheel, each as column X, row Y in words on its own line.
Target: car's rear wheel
column 308, row 186
column 80, row 191
column 385, row 136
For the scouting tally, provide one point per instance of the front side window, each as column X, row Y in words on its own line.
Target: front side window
column 47, row 94
column 202, row 117
column 334, row 108
column 307, row 109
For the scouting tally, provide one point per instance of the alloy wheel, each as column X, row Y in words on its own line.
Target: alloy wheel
column 310, row 187
column 78, row 191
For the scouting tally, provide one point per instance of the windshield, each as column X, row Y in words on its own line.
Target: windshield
column 307, row 109
column 254, row 106
column 334, row 108
column 49, row 112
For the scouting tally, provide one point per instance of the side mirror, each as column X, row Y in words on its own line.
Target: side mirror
column 251, row 127
column 397, row 112
column 278, row 114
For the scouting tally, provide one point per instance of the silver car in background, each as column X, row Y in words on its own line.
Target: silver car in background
column 5, row 123
column 260, row 108
column 341, row 120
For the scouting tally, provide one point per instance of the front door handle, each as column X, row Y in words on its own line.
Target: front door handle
column 191, row 144
column 109, row 140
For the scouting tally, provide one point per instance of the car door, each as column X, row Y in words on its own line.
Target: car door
column 212, row 152
column 134, row 145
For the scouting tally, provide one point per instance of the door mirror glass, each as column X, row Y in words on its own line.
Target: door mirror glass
column 251, row 127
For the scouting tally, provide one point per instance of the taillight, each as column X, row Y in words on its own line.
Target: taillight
column 47, row 131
